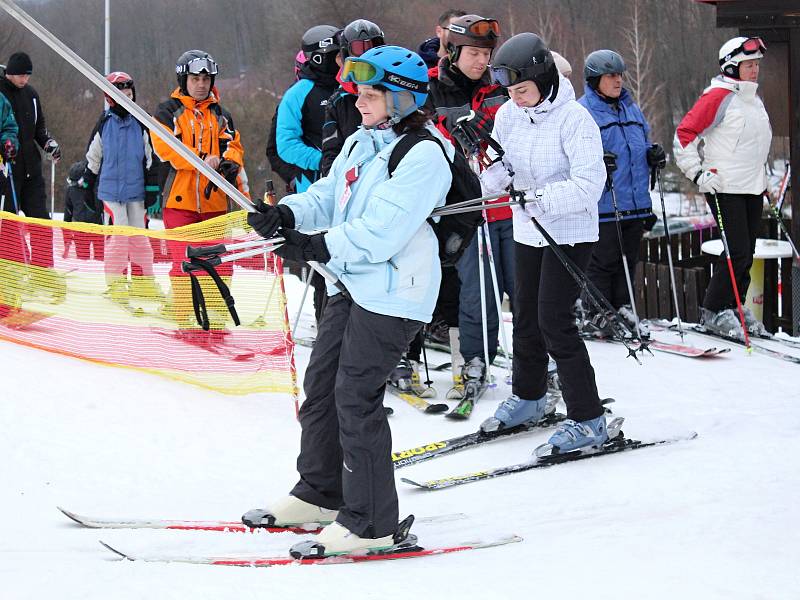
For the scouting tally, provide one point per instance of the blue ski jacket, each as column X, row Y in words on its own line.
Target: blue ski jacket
column 625, row 133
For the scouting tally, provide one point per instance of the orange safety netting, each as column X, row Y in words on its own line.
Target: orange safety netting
column 117, row 296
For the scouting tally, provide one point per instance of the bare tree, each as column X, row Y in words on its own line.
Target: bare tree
column 640, row 73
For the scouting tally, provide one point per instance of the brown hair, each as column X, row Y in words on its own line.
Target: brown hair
column 416, row 120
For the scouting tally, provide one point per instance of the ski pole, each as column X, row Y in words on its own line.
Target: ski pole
column 484, row 318
column 669, row 255
column 302, row 303
column 52, row 188
column 498, row 299
column 609, row 159
column 733, row 276
column 776, row 210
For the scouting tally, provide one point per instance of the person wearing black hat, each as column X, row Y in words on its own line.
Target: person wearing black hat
column 29, row 185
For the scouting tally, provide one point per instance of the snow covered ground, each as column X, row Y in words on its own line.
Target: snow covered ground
column 716, row 517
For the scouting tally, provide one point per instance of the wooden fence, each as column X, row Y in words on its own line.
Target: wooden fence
column 693, row 271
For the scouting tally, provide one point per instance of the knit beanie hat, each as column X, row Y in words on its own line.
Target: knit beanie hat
column 19, row 64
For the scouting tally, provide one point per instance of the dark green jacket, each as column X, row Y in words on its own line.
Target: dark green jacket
column 8, row 124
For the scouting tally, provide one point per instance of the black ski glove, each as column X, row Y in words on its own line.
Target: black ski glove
column 656, row 157
column 229, row 170
column 270, row 218
column 610, row 160
column 303, row 247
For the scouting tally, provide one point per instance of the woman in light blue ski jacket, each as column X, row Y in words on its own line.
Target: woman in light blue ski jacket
column 378, row 242
column 381, row 246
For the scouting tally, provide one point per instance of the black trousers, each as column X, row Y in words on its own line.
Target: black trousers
column 741, row 219
column 345, row 460
column 544, row 294
column 447, row 302
column 605, row 269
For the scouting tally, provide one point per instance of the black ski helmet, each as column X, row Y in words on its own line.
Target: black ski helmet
column 360, row 30
column 525, row 57
column 194, row 62
column 319, row 41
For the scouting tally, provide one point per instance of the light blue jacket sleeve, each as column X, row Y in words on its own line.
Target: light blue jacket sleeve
column 396, row 210
column 289, row 130
column 313, row 209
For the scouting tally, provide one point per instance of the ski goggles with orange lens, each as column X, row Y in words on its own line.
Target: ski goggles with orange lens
column 358, row 47
column 362, row 72
column 478, row 28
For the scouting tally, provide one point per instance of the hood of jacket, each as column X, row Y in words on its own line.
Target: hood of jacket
column 564, row 94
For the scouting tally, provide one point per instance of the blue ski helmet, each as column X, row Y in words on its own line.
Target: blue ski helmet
column 399, row 70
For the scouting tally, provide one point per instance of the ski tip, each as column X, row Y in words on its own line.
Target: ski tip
column 411, row 482
column 115, row 551
column 73, row 516
column 435, row 409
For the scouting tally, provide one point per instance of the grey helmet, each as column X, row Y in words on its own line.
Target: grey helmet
column 603, row 62
column 365, row 34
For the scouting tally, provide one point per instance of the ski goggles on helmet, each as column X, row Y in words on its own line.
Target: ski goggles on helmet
column 358, row 47
column 508, row 76
column 362, row 72
column 201, row 65
column 752, row 45
column 123, row 85
column 483, row 28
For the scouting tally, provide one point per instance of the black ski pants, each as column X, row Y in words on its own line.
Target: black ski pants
column 345, row 460
column 544, row 294
column 741, row 219
column 605, row 269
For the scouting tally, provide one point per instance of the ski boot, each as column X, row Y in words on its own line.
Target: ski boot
column 553, row 380
column 48, row 284
column 726, row 323
column 515, row 411
column 473, row 378
column 145, row 288
column 754, row 326
column 335, row 539
column 571, row 435
column 437, row 335
column 289, row 511
column 118, row 291
column 405, row 378
column 629, row 317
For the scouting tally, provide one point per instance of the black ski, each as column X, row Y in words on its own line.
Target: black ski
column 404, row 458
column 618, row 444
column 473, row 390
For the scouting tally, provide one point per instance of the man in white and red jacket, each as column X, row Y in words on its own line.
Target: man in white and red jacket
column 731, row 122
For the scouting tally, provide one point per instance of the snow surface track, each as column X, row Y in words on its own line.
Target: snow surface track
column 711, row 518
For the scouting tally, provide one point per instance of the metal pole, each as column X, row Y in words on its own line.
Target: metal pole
column 107, row 63
column 498, row 300
column 52, row 188
column 484, row 317
column 669, row 254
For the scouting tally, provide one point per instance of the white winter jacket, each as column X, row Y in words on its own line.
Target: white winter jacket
column 554, row 148
column 730, row 120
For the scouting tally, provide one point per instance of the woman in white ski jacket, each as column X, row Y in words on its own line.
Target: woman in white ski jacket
column 553, row 149
column 730, row 121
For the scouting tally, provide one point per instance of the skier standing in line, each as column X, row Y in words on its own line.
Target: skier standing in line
column 625, row 133
column 733, row 125
column 461, row 85
column 341, row 115
column 28, row 182
column 119, row 161
column 554, row 150
column 434, row 49
column 379, row 244
column 301, row 114
column 194, row 114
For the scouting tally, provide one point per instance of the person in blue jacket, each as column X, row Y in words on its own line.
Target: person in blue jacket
column 378, row 242
column 301, row 113
column 625, row 133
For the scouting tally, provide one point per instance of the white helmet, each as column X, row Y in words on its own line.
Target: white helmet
column 737, row 50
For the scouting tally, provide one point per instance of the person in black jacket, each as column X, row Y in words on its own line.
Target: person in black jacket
column 80, row 206
column 29, row 186
column 341, row 115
